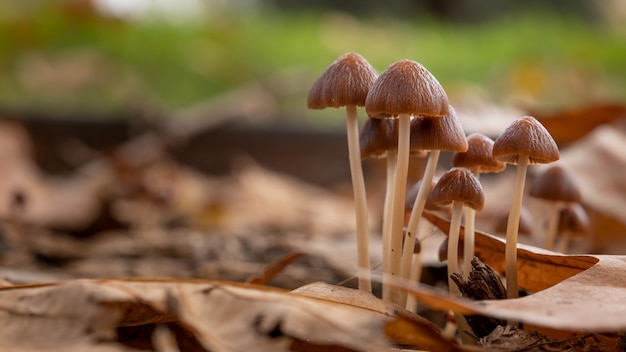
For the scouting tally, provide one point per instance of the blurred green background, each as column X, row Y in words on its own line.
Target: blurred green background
column 105, row 56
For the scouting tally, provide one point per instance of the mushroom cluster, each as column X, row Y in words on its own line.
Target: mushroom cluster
column 409, row 114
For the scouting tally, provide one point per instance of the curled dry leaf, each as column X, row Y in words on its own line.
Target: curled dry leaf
column 405, row 328
column 568, row 292
column 538, row 269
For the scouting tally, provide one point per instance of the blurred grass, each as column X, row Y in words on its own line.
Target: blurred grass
column 538, row 58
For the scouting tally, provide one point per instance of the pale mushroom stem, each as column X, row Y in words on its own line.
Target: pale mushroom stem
column 387, row 220
column 468, row 241
column 563, row 245
column 416, row 266
column 512, row 226
column 402, row 168
column 453, row 244
column 358, row 185
column 416, row 212
column 553, row 224
column 469, row 235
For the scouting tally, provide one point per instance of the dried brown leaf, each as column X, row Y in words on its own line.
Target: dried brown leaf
column 405, row 328
column 273, row 269
column 569, row 125
column 538, row 269
column 221, row 316
column 55, row 317
column 571, row 293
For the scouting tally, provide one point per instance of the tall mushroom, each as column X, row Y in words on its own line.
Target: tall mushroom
column 478, row 159
column 555, row 185
column 346, row 82
column 404, row 89
column 435, row 135
column 461, row 188
column 524, row 142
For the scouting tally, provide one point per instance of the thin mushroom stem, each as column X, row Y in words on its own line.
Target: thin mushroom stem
column 416, row 265
column 358, row 185
column 553, row 224
column 416, row 212
column 402, row 168
column 387, row 219
column 469, row 235
column 510, row 253
column 563, row 245
column 468, row 241
column 453, row 244
column 411, row 301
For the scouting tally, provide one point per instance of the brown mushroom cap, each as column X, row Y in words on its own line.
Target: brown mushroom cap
column 555, row 184
column 525, row 136
column 526, row 222
column 574, row 218
column 478, row 155
column 406, row 87
column 429, row 205
column 378, row 137
column 459, row 185
column 345, row 82
column 438, row 133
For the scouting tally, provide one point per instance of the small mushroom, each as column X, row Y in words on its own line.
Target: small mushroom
column 555, row 186
column 429, row 205
column 573, row 220
column 346, row 82
column 434, row 134
column 524, row 142
column 478, row 159
column 460, row 188
column 403, row 90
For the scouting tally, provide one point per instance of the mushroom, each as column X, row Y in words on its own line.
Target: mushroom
column 573, row 220
column 478, row 159
column 524, row 142
column 458, row 187
column 555, row 186
column 346, row 82
column 404, row 89
column 434, row 134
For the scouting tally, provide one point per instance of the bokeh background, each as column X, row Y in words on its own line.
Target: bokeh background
column 172, row 137
column 102, row 57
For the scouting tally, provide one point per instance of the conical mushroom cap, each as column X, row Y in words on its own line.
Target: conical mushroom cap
column 459, row 185
column 345, row 82
column 429, row 205
column 478, row 155
column 574, row 218
column 526, row 222
column 555, row 184
column 525, row 136
column 438, row 133
column 378, row 137
column 406, row 87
